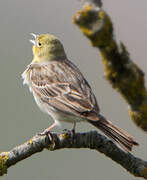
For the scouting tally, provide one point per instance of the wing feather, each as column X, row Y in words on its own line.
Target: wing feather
column 61, row 85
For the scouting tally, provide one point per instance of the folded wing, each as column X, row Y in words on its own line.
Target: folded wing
column 61, row 85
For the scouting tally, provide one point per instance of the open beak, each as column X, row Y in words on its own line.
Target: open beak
column 34, row 41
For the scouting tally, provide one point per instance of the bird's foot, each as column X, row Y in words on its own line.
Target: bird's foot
column 46, row 132
column 71, row 132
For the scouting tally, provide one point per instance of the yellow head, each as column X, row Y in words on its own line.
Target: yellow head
column 46, row 48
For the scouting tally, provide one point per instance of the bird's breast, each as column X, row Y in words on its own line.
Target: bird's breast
column 26, row 78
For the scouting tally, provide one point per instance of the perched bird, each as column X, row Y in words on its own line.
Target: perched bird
column 60, row 89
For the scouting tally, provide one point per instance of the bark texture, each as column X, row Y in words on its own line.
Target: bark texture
column 91, row 140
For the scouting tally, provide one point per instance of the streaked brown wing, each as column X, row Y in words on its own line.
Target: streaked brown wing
column 61, row 85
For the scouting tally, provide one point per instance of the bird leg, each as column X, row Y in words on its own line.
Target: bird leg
column 74, row 127
column 47, row 131
column 72, row 131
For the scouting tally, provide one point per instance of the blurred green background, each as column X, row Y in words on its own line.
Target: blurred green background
column 20, row 116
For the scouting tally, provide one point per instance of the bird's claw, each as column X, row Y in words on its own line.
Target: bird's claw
column 46, row 133
column 70, row 132
column 43, row 133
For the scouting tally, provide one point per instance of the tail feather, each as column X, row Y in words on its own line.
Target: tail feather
column 125, row 146
column 125, row 143
column 125, row 140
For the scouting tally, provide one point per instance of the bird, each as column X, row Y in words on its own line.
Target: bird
column 60, row 90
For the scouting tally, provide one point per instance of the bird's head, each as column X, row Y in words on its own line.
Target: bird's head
column 47, row 47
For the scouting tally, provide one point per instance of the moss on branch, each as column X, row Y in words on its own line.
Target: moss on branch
column 122, row 73
column 3, row 160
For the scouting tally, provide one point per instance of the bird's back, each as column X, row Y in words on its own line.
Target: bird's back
column 62, row 85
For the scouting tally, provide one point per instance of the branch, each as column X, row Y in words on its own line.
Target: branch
column 91, row 140
column 122, row 73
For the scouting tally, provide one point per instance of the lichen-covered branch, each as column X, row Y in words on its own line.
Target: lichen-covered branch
column 123, row 74
column 91, row 140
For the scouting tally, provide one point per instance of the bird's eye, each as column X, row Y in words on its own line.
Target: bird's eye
column 39, row 44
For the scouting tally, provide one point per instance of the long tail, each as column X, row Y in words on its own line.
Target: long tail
column 125, row 140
